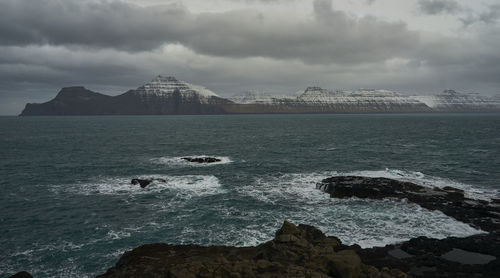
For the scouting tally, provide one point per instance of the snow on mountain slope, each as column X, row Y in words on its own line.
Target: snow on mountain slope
column 452, row 100
column 165, row 86
column 252, row 97
column 317, row 95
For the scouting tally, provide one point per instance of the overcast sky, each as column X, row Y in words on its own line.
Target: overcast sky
column 230, row 46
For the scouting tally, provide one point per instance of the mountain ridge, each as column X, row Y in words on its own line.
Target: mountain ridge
column 165, row 95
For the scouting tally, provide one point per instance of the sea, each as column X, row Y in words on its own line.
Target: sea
column 68, row 208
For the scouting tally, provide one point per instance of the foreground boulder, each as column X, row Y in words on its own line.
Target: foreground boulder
column 296, row 251
column 451, row 201
column 145, row 182
column 204, row 159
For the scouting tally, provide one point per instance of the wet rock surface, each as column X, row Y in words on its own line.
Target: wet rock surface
column 451, row 201
column 296, row 251
column 474, row 256
column 201, row 159
column 145, row 182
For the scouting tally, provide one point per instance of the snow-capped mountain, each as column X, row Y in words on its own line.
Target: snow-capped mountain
column 167, row 95
column 163, row 95
column 253, row 97
column 166, row 86
column 362, row 100
column 322, row 96
column 450, row 100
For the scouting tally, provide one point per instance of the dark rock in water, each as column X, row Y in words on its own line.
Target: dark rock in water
column 304, row 251
column 22, row 274
column 145, row 182
column 474, row 256
column 296, row 251
column 202, row 159
column 451, row 201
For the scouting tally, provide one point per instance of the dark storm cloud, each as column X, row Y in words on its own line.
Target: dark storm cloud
column 330, row 36
column 434, row 7
column 111, row 47
column 99, row 24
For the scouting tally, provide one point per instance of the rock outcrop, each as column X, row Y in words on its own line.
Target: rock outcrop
column 204, row 159
column 145, row 182
column 451, row 201
column 296, row 251
column 474, row 256
column 304, row 251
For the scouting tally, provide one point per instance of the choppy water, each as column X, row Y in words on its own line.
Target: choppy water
column 67, row 208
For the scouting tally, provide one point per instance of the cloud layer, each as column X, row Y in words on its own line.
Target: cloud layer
column 327, row 36
column 111, row 46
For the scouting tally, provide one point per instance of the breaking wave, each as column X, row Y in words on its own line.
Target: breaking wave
column 178, row 161
column 365, row 222
column 189, row 185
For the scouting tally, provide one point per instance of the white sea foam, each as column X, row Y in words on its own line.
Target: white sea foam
column 188, row 185
column 179, row 162
column 114, row 235
column 365, row 222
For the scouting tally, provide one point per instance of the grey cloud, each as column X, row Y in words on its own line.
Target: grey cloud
column 330, row 36
column 491, row 16
column 434, row 7
column 112, row 46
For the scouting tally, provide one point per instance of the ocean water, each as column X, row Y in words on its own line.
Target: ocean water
column 67, row 208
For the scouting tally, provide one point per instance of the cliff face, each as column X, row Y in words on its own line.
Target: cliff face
column 167, row 95
column 72, row 101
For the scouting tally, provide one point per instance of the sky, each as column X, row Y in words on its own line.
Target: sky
column 231, row 46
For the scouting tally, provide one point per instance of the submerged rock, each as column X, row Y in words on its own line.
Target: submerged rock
column 22, row 274
column 145, row 182
column 202, row 159
column 451, row 201
column 296, row 251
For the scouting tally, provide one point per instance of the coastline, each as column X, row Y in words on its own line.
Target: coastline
column 304, row 251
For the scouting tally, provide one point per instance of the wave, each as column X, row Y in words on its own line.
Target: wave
column 178, row 161
column 188, row 185
column 365, row 222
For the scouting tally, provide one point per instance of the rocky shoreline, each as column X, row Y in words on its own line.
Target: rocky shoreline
column 474, row 256
column 304, row 251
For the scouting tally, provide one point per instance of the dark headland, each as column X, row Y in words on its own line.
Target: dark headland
column 167, row 95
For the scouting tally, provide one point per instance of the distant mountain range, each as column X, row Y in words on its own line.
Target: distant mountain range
column 167, row 95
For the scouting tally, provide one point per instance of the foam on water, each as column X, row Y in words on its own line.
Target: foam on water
column 365, row 222
column 188, row 185
column 179, row 162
